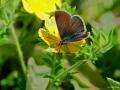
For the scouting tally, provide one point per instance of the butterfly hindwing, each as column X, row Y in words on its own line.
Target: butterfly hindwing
column 77, row 24
column 79, row 36
column 77, row 28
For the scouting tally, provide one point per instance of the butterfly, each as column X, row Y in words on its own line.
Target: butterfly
column 71, row 28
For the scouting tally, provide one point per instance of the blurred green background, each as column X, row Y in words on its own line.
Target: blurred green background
column 97, row 14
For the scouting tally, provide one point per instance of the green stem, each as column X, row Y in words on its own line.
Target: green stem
column 21, row 58
column 51, row 86
column 71, row 68
column 9, row 23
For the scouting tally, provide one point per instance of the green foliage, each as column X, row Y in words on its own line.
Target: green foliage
column 68, row 8
column 113, row 84
column 100, row 43
column 7, row 10
column 85, row 69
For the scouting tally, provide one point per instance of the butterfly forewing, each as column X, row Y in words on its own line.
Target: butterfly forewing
column 62, row 21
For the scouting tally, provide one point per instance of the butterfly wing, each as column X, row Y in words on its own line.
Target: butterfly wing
column 77, row 24
column 62, row 20
column 77, row 29
column 75, row 37
column 70, row 28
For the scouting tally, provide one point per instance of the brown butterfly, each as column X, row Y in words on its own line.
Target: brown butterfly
column 71, row 28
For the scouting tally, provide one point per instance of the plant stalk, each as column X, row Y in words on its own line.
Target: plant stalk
column 21, row 58
column 71, row 68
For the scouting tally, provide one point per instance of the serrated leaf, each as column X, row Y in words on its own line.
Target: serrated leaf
column 102, row 39
column 68, row 8
column 115, row 85
column 11, row 5
column 94, row 41
column 104, row 36
column 110, row 42
column 112, row 37
column 94, row 32
column 111, row 34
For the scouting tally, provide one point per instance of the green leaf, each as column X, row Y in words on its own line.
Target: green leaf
column 11, row 5
column 3, row 36
column 36, row 74
column 68, row 8
column 115, row 85
column 9, row 80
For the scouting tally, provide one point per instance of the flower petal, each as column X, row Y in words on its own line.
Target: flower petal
column 50, row 24
column 48, row 38
column 75, row 46
column 42, row 15
column 27, row 6
column 37, row 5
column 52, row 4
column 41, row 8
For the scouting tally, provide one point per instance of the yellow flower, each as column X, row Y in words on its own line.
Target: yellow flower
column 51, row 36
column 41, row 8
